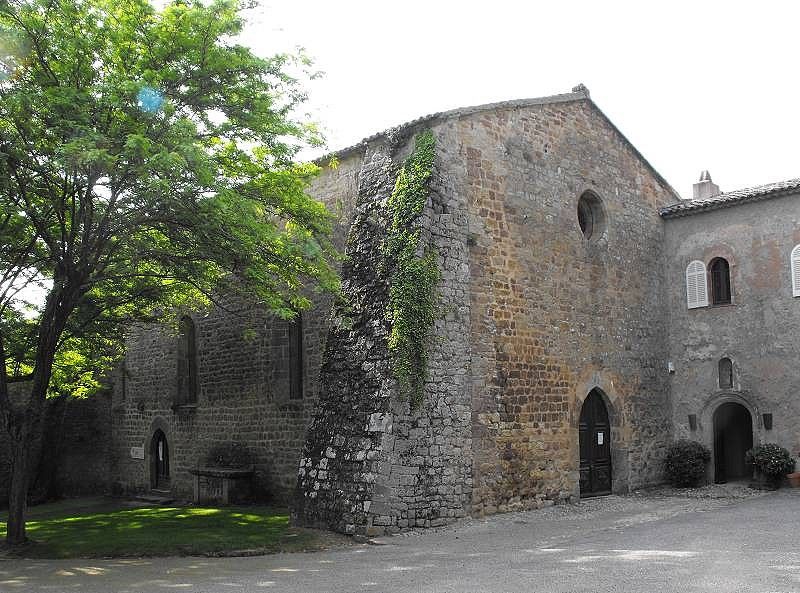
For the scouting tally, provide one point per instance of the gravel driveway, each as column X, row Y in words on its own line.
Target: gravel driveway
column 721, row 539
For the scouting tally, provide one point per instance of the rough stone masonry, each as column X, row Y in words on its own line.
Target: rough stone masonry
column 561, row 254
column 533, row 316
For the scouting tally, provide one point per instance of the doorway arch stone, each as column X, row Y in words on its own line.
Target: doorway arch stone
column 707, row 428
column 602, row 382
column 158, row 452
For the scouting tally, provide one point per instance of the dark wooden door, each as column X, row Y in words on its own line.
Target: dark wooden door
column 733, row 436
column 595, row 445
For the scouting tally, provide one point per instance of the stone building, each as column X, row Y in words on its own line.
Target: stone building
column 735, row 334
column 563, row 358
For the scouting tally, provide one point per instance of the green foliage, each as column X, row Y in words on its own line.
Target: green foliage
column 770, row 459
column 685, row 463
column 162, row 531
column 413, row 277
column 146, row 162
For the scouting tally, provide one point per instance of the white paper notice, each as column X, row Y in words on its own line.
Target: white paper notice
column 600, row 438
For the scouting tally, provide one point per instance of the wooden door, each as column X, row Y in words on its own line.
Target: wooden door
column 595, row 447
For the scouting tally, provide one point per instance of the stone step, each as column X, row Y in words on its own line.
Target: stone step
column 157, row 497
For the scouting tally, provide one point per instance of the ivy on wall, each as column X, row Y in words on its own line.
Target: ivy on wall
column 413, row 274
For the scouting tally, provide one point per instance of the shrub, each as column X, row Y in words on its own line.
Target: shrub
column 685, row 464
column 770, row 459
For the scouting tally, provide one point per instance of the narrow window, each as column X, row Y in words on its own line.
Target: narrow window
column 720, row 281
column 187, row 362
column 296, row 358
column 795, row 265
column 725, row 373
column 123, row 379
column 696, row 286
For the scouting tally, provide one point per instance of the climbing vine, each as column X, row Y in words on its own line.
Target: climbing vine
column 412, row 275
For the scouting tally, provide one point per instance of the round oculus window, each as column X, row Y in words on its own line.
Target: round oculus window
column 591, row 216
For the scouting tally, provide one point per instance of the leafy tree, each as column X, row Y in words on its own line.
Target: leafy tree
column 146, row 161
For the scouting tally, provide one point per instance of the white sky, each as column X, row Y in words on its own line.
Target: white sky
column 693, row 85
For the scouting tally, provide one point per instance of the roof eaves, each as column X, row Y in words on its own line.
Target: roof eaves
column 726, row 200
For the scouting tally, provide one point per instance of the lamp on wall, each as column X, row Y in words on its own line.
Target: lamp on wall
column 767, row 421
column 692, row 421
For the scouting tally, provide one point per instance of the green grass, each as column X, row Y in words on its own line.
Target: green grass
column 106, row 531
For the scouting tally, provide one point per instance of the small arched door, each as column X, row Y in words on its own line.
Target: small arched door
column 594, row 433
column 733, row 436
column 159, row 466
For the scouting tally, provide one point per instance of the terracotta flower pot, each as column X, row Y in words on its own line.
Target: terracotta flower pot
column 794, row 479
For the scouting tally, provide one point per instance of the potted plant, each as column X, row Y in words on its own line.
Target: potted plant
column 771, row 463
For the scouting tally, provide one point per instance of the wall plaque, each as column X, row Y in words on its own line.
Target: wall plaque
column 137, row 452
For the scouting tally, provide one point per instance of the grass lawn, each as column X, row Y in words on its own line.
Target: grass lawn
column 70, row 529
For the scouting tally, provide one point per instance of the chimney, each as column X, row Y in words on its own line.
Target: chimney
column 705, row 188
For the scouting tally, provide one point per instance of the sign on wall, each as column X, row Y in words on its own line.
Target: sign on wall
column 137, row 452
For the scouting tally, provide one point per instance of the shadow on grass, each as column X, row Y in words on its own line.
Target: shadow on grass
column 163, row 531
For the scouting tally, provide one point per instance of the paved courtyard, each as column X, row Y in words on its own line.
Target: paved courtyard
column 647, row 544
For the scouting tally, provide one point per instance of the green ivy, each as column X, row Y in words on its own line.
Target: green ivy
column 412, row 277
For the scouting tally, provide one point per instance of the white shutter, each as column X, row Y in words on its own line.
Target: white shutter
column 795, row 265
column 696, row 285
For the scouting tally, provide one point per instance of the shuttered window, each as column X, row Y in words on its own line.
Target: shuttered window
column 795, row 264
column 696, row 285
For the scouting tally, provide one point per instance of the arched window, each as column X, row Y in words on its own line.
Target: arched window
column 795, row 265
column 296, row 358
column 187, row 362
column 696, row 285
column 725, row 373
column 720, row 281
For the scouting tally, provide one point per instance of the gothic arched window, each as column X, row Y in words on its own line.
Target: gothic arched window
column 187, row 362
column 296, row 352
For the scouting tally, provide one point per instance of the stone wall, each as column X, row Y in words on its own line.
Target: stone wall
column 758, row 331
column 243, row 397
column 554, row 314
column 77, row 447
column 533, row 316
column 373, row 463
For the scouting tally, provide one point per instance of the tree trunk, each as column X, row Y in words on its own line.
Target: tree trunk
column 18, row 493
column 25, row 425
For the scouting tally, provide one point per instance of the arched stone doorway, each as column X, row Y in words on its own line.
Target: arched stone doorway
column 159, row 461
column 733, row 436
column 594, row 435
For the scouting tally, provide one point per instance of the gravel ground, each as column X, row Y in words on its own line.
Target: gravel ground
column 717, row 539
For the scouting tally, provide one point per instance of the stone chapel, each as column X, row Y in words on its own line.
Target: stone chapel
column 587, row 316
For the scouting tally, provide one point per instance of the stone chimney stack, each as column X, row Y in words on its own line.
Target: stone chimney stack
column 705, row 188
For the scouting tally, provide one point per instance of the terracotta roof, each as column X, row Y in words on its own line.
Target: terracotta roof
column 732, row 198
column 579, row 93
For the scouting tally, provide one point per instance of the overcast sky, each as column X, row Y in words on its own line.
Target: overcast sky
column 693, row 85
